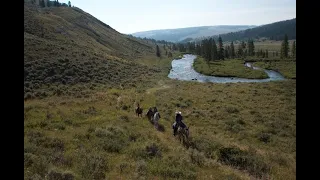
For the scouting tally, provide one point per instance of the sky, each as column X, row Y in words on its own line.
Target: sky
column 130, row 16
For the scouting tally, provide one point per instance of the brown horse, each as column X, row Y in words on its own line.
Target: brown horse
column 139, row 111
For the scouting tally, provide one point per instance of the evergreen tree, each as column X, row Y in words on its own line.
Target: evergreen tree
column 42, row 4
column 198, row 50
column 284, row 47
column 245, row 53
column 250, row 48
column 221, row 49
column 267, row 53
column 214, row 50
column 158, row 51
column 69, row 3
column 293, row 50
column 226, row 52
column 240, row 51
column 232, row 54
column 174, row 47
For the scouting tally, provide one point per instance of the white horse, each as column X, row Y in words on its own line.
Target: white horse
column 156, row 118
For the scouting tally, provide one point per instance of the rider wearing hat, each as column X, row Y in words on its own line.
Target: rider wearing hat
column 178, row 123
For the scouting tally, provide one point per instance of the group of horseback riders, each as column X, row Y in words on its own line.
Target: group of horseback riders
column 154, row 116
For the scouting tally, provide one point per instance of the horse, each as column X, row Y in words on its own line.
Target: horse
column 139, row 111
column 150, row 114
column 156, row 117
column 183, row 134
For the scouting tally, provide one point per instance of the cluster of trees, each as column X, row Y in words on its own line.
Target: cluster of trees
column 153, row 40
column 54, row 3
column 284, row 52
column 171, row 47
column 211, row 49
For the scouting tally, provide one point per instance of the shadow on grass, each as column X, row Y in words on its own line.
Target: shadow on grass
column 159, row 127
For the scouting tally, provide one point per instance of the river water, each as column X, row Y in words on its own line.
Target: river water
column 182, row 70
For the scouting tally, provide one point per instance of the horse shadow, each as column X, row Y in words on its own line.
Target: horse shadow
column 160, row 127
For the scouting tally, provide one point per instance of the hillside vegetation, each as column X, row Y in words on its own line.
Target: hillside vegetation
column 65, row 47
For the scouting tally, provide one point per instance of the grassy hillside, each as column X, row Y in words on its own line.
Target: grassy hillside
column 90, row 77
column 67, row 50
column 238, row 131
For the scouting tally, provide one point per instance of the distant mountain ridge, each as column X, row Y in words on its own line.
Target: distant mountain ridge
column 272, row 31
column 179, row 34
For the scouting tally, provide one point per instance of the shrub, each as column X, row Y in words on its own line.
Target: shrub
column 231, row 109
column 244, row 160
column 197, row 157
column 93, row 166
column 264, row 137
column 55, row 174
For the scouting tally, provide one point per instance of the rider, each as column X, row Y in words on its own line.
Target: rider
column 178, row 123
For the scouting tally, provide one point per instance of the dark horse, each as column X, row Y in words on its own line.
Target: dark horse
column 139, row 111
column 150, row 114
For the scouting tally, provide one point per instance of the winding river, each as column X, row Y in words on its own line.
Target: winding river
column 182, row 70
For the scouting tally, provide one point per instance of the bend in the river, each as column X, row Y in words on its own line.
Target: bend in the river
column 182, row 69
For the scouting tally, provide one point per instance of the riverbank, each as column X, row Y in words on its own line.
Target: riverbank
column 285, row 67
column 227, row 68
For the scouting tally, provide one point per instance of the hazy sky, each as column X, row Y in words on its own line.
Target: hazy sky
column 129, row 16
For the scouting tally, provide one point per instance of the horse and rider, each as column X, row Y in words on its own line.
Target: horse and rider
column 179, row 127
column 139, row 110
column 153, row 116
column 178, row 123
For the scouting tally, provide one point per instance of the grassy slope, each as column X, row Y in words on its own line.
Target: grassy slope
column 256, row 120
column 67, row 49
column 231, row 68
column 238, row 131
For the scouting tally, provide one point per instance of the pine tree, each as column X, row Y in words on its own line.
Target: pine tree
column 293, row 50
column 158, row 51
column 267, row 53
column 250, row 48
column 240, row 51
column 214, row 50
column 284, row 47
column 245, row 53
column 221, row 50
column 69, row 3
column 233, row 54
column 226, row 52
column 42, row 4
